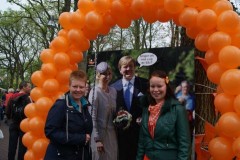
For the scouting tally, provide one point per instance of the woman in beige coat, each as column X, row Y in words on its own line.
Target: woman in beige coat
column 103, row 99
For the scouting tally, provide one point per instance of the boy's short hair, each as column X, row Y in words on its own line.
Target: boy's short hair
column 78, row 74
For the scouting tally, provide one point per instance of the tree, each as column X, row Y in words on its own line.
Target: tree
column 18, row 47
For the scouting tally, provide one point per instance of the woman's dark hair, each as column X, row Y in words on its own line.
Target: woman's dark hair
column 169, row 92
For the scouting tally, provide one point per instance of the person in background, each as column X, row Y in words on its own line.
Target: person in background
column 69, row 124
column 164, row 131
column 187, row 99
column 103, row 98
column 8, row 96
column 15, row 134
column 3, row 107
column 88, row 88
column 129, row 89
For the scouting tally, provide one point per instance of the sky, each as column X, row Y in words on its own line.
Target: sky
column 4, row 5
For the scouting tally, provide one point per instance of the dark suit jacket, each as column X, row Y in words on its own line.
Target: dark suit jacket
column 128, row 139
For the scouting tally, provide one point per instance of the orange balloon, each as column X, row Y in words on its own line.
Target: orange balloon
column 38, row 78
column 224, row 103
column 201, row 41
column 163, row 15
column 93, row 20
column 36, row 93
column 76, row 36
column 174, row 6
column 192, row 3
column 218, row 40
column 236, row 104
column 30, row 110
column 102, row 6
column 43, row 105
column 90, row 34
column 221, row 6
column 175, row 18
column 229, row 124
column 61, row 60
column 74, row 67
column 230, row 81
column 236, row 147
column 29, row 155
column 108, row 20
column 152, row 16
column 63, row 33
column 218, row 132
column 65, row 20
column 78, row 39
column 137, row 6
column 119, row 14
column 64, row 88
column 211, row 57
column 219, row 89
column 49, row 70
column 51, row 86
column 28, row 139
column 104, row 30
column 24, row 125
column 207, row 19
column 85, row 6
column 36, row 125
column 214, row 72
column 75, row 56
column 63, row 76
column 117, row 8
column 236, row 38
column 46, row 56
column 192, row 32
column 123, row 21
column 55, row 97
column 39, row 147
column 228, row 21
column 221, row 148
column 59, row 43
column 188, row 17
column 77, row 19
column 229, row 57
column 203, row 4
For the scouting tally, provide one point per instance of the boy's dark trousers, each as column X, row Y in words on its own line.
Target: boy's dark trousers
column 15, row 138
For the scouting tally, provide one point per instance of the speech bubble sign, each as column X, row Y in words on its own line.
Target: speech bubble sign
column 147, row 59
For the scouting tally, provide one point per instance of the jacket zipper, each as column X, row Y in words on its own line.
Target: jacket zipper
column 67, row 124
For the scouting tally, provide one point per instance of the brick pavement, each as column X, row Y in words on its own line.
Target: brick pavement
column 4, row 141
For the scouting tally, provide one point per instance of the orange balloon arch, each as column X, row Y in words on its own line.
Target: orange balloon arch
column 212, row 23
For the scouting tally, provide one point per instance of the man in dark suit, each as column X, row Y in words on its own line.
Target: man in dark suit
column 129, row 89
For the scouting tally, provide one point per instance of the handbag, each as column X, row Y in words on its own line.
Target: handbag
column 1, row 134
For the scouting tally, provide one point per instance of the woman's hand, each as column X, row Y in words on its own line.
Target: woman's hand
column 100, row 147
column 87, row 138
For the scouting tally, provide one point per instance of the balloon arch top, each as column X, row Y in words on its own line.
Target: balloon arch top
column 212, row 23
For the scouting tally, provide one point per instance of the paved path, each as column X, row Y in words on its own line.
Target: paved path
column 4, row 141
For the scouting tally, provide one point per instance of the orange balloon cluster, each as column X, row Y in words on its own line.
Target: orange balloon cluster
column 212, row 23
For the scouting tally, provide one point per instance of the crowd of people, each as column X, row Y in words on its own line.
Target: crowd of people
column 131, row 118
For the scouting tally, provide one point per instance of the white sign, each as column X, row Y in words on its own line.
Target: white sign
column 147, row 59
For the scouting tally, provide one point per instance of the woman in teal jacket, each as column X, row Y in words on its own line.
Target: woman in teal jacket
column 164, row 133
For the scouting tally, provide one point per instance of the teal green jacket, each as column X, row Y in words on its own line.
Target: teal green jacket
column 172, row 140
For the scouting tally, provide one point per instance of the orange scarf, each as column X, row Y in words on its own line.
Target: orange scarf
column 153, row 117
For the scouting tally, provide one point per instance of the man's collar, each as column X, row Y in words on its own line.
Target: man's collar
column 125, row 82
